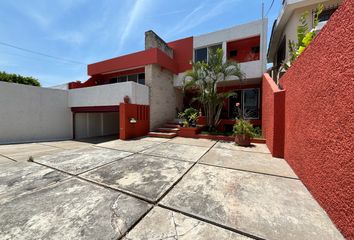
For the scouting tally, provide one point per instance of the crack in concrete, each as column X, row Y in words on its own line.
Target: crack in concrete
column 196, row 225
column 175, row 225
column 115, row 216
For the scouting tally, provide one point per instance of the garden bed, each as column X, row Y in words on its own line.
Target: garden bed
column 196, row 132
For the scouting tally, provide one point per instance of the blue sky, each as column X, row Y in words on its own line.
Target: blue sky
column 88, row 31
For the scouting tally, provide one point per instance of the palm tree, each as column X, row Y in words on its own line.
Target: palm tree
column 204, row 78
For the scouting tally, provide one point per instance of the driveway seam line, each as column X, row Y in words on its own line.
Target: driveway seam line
column 168, row 190
column 249, row 171
column 180, row 178
column 96, row 183
column 8, row 157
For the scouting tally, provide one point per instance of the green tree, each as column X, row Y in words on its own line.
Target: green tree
column 304, row 36
column 15, row 78
column 204, row 78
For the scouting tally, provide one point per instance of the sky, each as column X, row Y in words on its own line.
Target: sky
column 79, row 32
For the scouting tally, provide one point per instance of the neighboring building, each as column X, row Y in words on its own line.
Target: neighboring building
column 284, row 27
column 161, row 67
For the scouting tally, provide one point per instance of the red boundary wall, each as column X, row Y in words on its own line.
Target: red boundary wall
column 127, row 112
column 273, row 100
column 319, row 118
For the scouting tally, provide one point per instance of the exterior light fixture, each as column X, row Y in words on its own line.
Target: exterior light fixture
column 132, row 120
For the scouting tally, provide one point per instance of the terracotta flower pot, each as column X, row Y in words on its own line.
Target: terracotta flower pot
column 243, row 140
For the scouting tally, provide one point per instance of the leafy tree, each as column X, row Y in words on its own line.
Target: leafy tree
column 15, row 78
column 304, row 36
column 204, row 78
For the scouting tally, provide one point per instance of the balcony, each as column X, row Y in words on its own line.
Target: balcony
column 109, row 95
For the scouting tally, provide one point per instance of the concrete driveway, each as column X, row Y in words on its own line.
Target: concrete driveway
column 153, row 188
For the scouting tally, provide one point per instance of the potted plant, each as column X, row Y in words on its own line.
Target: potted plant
column 243, row 129
column 189, row 119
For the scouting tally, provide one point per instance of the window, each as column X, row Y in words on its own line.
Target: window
column 250, row 103
column 141, row 78
column 113, row 80
column 233, row 53
column 255, row 49
column 132, row 78
column 138, row 78
column 201, row 55
column 212, row 49
column 326, row 14
column 122, row 79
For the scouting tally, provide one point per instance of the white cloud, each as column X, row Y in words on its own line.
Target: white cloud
column 135, row 15
column 199, row 15
column 70, row 37
column 44, row 13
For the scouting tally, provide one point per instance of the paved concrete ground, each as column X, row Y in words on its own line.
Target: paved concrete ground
column 152, row 188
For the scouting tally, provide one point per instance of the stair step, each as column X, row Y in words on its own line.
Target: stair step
column 162, row 134
column 169, row 125
column 167, row 130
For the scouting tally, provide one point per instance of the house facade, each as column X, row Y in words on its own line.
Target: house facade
column 154, row 76
column 284, row 27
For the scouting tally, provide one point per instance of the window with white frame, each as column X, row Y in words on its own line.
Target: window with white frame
column 202, row 54
column 138, row 78
column 248, row 100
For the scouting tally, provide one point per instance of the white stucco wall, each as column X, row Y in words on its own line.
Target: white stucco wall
column 229, row 34
column 288, row 20
column 109, row 95
column 29, row 114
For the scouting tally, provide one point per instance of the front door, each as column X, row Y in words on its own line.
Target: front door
column 251, row 103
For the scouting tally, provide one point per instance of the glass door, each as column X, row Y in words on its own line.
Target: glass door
column 251, row 103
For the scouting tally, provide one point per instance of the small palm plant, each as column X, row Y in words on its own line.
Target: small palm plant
column 204, row 78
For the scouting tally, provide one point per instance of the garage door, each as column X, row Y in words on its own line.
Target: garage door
column 96, row 124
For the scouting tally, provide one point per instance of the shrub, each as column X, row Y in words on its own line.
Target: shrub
column 243, row 127
column 15, row 78
column 190, row 116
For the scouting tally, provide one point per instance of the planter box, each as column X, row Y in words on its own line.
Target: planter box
column 189, row 132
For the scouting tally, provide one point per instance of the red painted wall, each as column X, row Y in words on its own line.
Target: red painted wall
column 243, row 48
column 319, row 118
column 138, row 59
column 182, row 53
column 132, row 130
column 273, row 105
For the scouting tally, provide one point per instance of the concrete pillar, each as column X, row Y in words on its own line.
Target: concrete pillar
column 162, row 94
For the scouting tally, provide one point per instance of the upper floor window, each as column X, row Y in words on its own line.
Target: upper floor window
column 326, row 14
column 138, row 78
column 141, row 78
column 202, row 54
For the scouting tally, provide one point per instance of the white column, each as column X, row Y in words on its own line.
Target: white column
column 224, row 48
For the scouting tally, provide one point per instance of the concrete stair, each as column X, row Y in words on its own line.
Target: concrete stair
column 162, row 135
column 169, row 130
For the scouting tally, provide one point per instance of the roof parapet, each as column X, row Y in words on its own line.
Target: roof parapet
column 152, row 40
